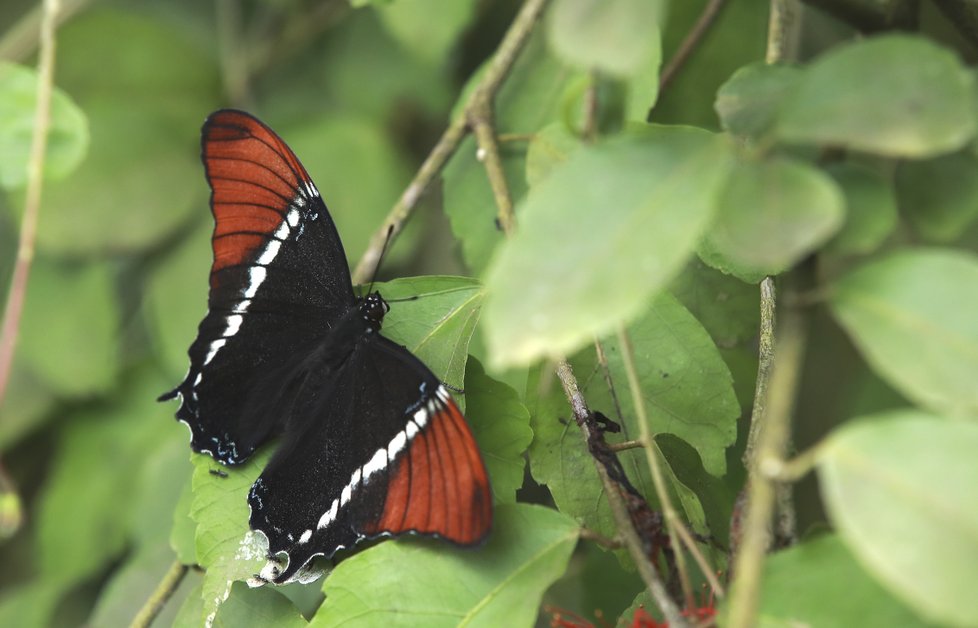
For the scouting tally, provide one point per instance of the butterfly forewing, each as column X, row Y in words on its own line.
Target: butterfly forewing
column 372, row 444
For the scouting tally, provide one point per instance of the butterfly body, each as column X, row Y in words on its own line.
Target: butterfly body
column 370, row 442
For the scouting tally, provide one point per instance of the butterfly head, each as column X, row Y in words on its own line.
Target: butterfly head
column 372, row 309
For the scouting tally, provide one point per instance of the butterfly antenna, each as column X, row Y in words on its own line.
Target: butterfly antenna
column 380, row 260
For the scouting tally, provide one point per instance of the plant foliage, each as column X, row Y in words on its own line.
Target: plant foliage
column 847, row 172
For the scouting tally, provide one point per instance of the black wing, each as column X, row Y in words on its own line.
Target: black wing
column 397, row 457
column 279, row 280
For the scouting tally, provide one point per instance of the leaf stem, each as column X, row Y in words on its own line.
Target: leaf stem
column 481, row 97
column 652, row 454
column 164, row 590
column 32, row 203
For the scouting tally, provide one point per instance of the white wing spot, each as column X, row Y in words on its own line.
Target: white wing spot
column 396, row 445
column 292, row 219
column 256, row 276
column 269, row 253
column 305, row 537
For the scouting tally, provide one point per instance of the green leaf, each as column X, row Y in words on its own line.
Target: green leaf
column 939, row 197
column 89, row 503
column 642, row 89
column 724, row 305
column 412, row 582
column 226, row 547
column 263, row 606
column 176, row 297
column 183, row 535
column 501, row 426
column 728, row 309
column 529, row 99
column 142, row 178
column 772, row 214
column 895, row 95
column 608, row 35
column 70, row 327
column 798, row 580
column 748, row 102
column 428, row 28
column 548, row 149
column 737, row 39
column 911, row 523
column 26, row 405
column 687, row 388
column 438, row 324
column 31, row 604
column 688, row 392
column 871, row 214
column 67, row 134
column 191, row 610
column 911, row 315
column 623, row 215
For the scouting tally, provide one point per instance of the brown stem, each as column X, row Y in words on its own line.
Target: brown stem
column 619, row 511
column 32, row 203
column 587, row 534
column 499, row 68
column 693, row 38
column 481, row 122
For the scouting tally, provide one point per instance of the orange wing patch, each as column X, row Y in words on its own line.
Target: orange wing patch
column 254, row 178
column 439, row 486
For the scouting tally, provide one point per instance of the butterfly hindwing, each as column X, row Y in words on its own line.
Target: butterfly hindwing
column 398, row 457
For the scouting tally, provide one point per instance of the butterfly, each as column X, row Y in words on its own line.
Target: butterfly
column 371, row 443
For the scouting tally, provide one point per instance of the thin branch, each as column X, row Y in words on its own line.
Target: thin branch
column 32, row 203
column 769, row 455
column 164, row 591
column 623, row 522
column 481, row 122
column 587, row 534
column 436, row 160
column 499, row 68
column 693, row 38
column 626, row 445
column 21, row 40
column 784, row 28
column 707, row 570
column 764, row 365
column 603, row 363
column 652, row 454
column 507, row 138
column 796, row 468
